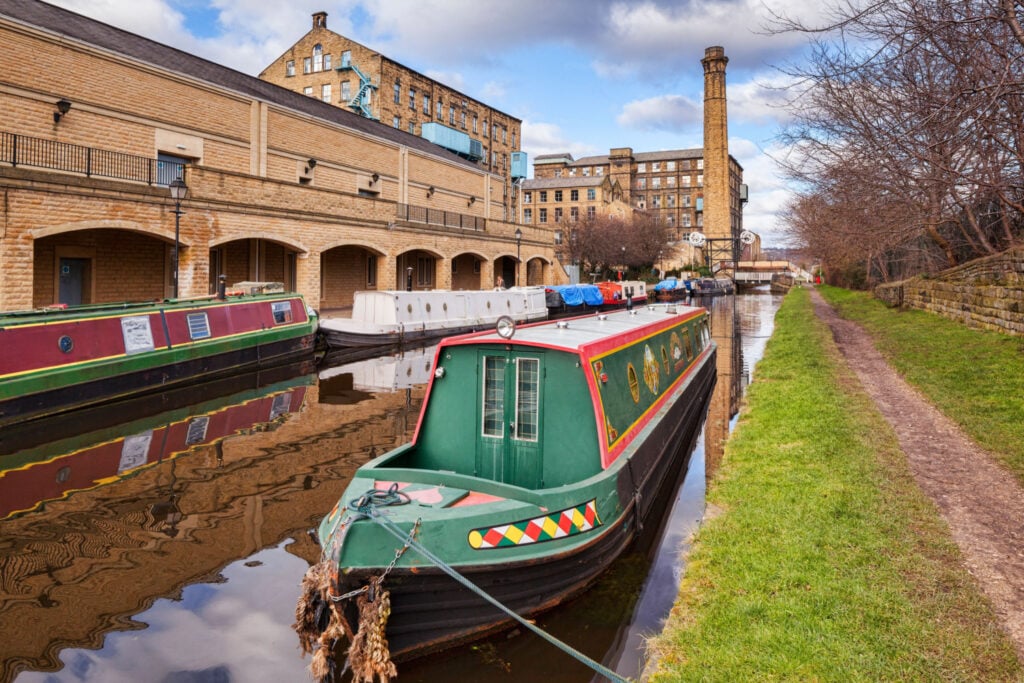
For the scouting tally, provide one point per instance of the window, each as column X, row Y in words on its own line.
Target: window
column 494, row 158
column 572, row 172
column 670, row 181
column 700, row 220
column 655, row 183
column 504, row 136
column 199, row 324
column 412, row 99
column 655, row 167
column 440, row 109
column 307, row 65
column 527, row 215
column 591, row 194
column 346, row 58
column 685, row 165
column 289, row 67
column 543, row 217
column 586, row 171
column 463, row 115
column 318, row 58
column 543, row 196
column 282, row 311
column 558, row 195
column 591, row 212
column 686, row 181
column 670, row 165
column 426, row 105
column 451, row 115
column 527, row 419
column 558, row 215
column 424, row 271
column 558, row 173
column 700, row 164
column 686, row 220
column 670, row 200
column 346, row 91
column 327, row 62
column 308, row 90
column 325, row 92
column 700, row 180
column 574, row 213
column 641, row 183
column 527, row 197
column 598, row 170
column 641, row 168
column 574, row 195
column 494, row 397
column 656, row 201
column 412, row 127
column 494, row 131
column 396, row 122
column 475, row 120
column 398, row 93
column 371, row 270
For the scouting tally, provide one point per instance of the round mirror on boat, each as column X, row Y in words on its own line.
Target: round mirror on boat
column 505, row 327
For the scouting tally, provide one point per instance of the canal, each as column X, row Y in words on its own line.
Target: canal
column 166, row 541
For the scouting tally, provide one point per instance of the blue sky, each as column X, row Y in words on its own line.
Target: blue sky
column 583, row 75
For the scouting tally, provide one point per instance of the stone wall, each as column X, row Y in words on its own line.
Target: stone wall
column 987, row 293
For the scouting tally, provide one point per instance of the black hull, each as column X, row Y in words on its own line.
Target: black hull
column 431, row 611
column 154, row 381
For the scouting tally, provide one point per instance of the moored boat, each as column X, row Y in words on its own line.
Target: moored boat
column 538, row 457
column 622, row 293
column 66, row 358
column 713, row 286
column 672, row 289
column 392, row 319
column 572, row 300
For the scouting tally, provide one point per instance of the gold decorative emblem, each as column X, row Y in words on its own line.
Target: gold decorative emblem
column 651, row 372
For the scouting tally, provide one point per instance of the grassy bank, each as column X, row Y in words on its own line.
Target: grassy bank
column 823, row 561
column 975, row 377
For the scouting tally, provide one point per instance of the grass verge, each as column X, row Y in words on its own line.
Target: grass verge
column 825, row 561
column 975, row 377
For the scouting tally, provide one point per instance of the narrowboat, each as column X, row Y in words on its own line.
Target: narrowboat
column 672, row 289
column 65, row 358
column 713, row 286
column 397, row 319
column 622, row 293
column 540, row 454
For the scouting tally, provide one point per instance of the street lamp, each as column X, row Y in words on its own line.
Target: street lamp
column 519, row 239
column 408, row 279
column 179, row 190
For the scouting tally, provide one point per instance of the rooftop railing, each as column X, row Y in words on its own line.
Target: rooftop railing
column 449, row 219
column 22, row 150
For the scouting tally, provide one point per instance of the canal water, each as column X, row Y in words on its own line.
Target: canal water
column 165, row 540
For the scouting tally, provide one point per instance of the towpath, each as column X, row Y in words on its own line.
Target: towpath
column 980, row 501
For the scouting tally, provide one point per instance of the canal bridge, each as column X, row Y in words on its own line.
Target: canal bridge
column 752, row 273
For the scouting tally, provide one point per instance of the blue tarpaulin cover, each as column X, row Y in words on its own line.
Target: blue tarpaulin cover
column 577, row 295
column 668, row 285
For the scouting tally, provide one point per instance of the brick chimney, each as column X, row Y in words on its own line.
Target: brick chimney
column 717, row 222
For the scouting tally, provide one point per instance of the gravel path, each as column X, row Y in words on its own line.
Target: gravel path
column 981, row 502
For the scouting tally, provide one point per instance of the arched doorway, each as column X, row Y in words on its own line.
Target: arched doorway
column 345, row 270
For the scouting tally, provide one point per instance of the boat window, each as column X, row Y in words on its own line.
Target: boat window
column 705, row 332
column 282, row 311
column 664, row 360
column 527, row 395
column 494, row 396
column 634, row 384
column 688, row 343
column 198, row 326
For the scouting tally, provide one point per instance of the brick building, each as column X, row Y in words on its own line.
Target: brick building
column 281, row 187
column 682, row 188
column 337, row 70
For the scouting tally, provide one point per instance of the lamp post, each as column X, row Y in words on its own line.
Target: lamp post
column 408, row 279
column 179, row 190
column 519, row 239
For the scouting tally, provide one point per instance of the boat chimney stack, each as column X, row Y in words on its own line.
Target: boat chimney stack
column 629, row 297
column 222, row 287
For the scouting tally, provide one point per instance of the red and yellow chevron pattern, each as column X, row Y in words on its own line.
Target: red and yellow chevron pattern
column 568, row 522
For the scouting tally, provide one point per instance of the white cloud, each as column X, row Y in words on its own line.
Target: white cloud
column 671, row 113
column 548, row 138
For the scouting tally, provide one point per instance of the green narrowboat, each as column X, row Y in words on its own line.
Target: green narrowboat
column 539, row 455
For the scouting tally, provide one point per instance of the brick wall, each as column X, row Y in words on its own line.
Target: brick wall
column 987, row 293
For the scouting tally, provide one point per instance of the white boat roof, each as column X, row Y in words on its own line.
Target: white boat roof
column 572, row 334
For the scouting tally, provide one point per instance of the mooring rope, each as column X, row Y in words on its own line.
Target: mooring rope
column 369, row 509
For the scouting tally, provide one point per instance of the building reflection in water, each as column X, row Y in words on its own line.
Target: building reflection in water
column 725, row 401
column 96, row 526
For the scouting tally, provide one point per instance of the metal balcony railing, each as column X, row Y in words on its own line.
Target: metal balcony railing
column 21, row 150
column 449, row 219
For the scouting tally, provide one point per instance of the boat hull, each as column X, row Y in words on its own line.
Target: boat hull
column 431, row 611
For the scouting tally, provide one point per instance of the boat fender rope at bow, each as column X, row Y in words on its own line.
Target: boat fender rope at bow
column 411, row 542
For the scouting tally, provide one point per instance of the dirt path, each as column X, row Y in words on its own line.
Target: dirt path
column 982, row 503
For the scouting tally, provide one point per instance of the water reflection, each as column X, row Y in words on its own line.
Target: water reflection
column 169, row 545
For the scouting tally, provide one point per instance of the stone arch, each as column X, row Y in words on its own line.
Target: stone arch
column 349, row 267
column 467, row 271
column 153, row 230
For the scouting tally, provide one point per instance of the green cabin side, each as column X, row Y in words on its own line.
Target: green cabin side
column 528, row 420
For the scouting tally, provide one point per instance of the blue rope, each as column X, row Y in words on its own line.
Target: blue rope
column 397, row 532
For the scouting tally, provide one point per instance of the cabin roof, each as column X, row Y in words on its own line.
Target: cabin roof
column 576, row 335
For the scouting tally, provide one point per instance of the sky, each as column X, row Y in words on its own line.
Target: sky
column 584, row 76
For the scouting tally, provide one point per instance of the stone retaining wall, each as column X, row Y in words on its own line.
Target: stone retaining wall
column 987, row 293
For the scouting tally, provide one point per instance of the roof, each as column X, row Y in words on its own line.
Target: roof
column 666, row 155
column 575, row 335
column 564, row 181
column 64, row 23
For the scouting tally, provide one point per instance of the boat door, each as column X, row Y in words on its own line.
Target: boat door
column 508, row 448
column 74, row 273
